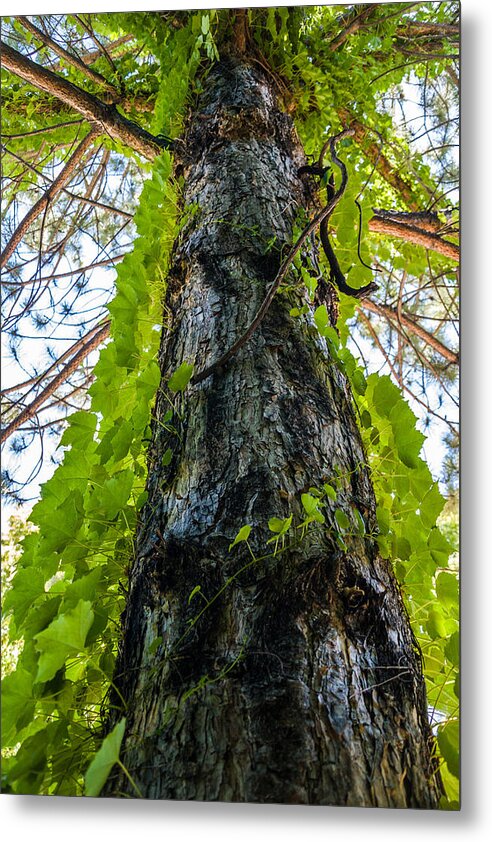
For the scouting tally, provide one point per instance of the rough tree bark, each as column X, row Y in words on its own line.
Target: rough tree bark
column 299, row 681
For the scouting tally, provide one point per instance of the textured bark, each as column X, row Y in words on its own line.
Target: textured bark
column 293, row 678
column 414, row 234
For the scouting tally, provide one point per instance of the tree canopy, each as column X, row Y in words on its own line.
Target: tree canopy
column 94, row 107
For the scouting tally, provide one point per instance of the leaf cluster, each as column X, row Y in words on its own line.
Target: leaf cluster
column 67, row 594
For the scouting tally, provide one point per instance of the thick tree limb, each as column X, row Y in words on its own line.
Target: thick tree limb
column 412, row 326
column 93, row 109
column 425, row 220
column 412, row 29
column 41, row 205
column 414, row 234
column 29, row 411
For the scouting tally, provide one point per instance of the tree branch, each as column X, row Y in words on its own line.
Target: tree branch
column 89, row 58
column 41, row 205
column 412, row 326
column 29, row 411
column 374, row 154
column 381, row 224
column 68, row 57
column 93, row 109
column 353, row 26
column 412, row 29
column 79, row 270
column 38, row 378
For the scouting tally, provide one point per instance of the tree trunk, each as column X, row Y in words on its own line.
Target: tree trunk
column 292, row 675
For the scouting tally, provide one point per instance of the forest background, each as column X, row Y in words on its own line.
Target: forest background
column 170, row 817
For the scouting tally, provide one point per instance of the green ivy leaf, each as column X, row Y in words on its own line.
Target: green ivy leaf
column 27, row 585
column 64, row 636
column 155, row 644
column 342, row 519
column 310, row 504
column 180, row 378
column 383, row 518
column 242, row 535
column 167, row 457
column 197, row 589
column 452, row 649
column 385, row 394
column 403, row 548
column 447, row 590
column 101, row 765
column 330, row 491
column 18, row 704
column 280, row 525
column 60, row 525
column 84, row 588
column 448, row 740
column 114, row 494
column 439, row 547
column 321, row 319
column 435, row 625
column 30, row 761
column 383, row 545
column 359, row 522
column 80, row 431
column 359, row 382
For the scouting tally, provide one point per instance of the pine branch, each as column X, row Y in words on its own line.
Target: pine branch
column 355, row 24
column 412, row 326
column 93, row 109
column 382, row 224
column 29, row 411
column 69, row 57
column 42, row 204
column 373, row 152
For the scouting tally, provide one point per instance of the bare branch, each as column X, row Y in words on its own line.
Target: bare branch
column 68, row 57
column 412, row 326
column 37, row 379
column 29, row 411
column 42, row 204
column 80, row 270
column 44, row 130
column 406, row 388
